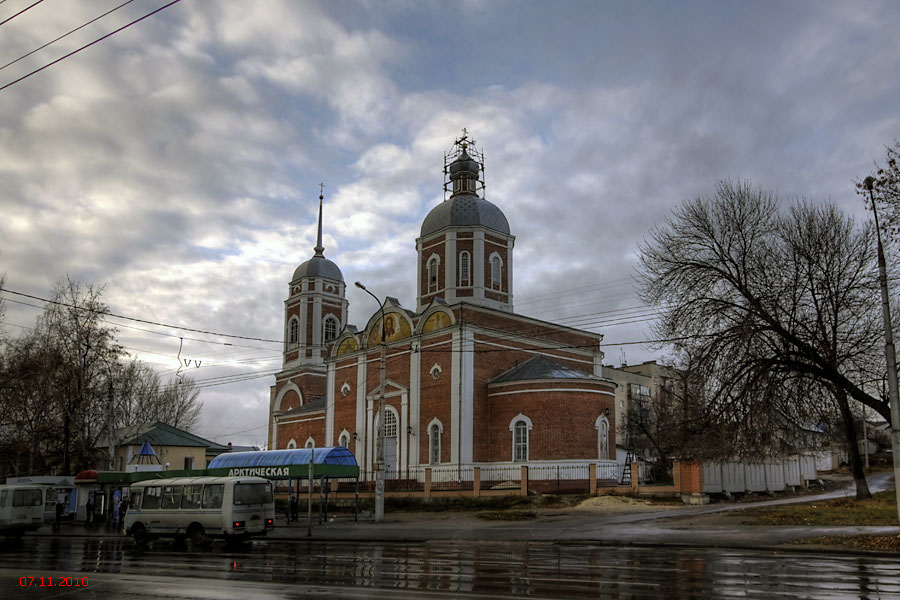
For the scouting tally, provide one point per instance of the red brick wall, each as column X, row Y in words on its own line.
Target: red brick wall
column 434, row 246
column 313, row 425
column 563, row 421
column 435, row 394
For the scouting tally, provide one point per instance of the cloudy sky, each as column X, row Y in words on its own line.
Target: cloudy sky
column 178, row 161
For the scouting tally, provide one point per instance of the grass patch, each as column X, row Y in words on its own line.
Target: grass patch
column 869, row 543
column 880, row 510
column 508, row 515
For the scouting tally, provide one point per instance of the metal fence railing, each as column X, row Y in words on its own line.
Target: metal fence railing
column 501, row 478
column 455, row 478
column 559, row 479
column 542, row 478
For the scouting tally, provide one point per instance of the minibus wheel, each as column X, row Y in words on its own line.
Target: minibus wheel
column 198, row 535
column 140, row 534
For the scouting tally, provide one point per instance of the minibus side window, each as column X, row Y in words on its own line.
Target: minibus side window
column 252, row 493
column 190, row 497
column 212, row 495
column 3, row 498
column 27, row 498
column 171, row 497
column 151, row 497
column 136, row 498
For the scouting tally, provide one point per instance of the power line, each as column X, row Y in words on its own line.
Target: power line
column 148, row 322
column 65, row 34
column 50, row 64
column 20, row 12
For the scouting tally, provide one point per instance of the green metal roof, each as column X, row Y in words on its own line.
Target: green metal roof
column 160, row 434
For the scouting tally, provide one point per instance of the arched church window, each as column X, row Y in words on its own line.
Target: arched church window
column 496, row 272
column 434, row 454
column 310, row 443
column 433, row 274
column 293, row 331
column 464, row 272
column 390, row 423
column 345, row 440
column 520, row 443
column 330, row 329
column 602, row 438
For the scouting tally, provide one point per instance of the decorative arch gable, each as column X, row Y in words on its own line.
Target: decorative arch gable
column 289, row 387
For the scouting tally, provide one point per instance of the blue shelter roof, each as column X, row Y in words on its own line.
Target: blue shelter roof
column 284, row 458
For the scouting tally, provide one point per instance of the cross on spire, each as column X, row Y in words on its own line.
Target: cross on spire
column 319, row 248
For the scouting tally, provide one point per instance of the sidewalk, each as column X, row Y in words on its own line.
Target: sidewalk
column 666, row 526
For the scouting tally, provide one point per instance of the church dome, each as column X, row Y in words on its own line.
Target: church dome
column 465, row 210
column 318, row 266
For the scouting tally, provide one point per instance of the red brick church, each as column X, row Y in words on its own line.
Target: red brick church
column 468, row 381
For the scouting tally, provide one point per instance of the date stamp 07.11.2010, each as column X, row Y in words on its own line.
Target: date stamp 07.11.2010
column 29, row 581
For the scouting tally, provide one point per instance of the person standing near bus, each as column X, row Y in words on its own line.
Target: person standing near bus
column 57, row 518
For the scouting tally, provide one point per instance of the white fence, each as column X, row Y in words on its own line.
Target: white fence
column 768, row 476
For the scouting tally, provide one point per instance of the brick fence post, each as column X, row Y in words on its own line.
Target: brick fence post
column 635, row 475
column 592, row 475
column 476, row 482
column 427, row 482
column 523, row 487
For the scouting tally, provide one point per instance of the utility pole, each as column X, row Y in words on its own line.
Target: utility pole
column 889, row 352
column 379, row 441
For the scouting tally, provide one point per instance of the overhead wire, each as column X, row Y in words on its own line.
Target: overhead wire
column 20, row 12
column 88, row 45
column 146, row 321
column 53, row 41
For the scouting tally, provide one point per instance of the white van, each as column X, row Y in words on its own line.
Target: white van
column 21, row 509
column 200, row 508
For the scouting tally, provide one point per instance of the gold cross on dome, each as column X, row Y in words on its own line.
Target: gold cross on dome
column 321, row 189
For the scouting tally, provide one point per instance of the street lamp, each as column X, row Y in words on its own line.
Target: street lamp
column 889, row 354
column 379, row 441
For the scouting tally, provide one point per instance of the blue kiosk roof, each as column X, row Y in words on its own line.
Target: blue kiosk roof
column 328, row 462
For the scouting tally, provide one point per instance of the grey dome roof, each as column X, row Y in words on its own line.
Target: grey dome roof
column 464, row 164
column 464, row 210
column 318, row 266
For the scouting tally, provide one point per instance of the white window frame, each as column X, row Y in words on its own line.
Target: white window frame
column 520, row 418
column 496, row 264
column 329, row 320
column 291, row 445
column 465, row 269
column 344, row 437
column 310, row 443
column 391, row 425
column 293, row 332
column 433, row 273
column 602, row 427
column 435, row 431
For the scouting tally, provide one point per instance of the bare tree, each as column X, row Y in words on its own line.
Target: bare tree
column 886, row 190
column 74, row 328
column 777, row 311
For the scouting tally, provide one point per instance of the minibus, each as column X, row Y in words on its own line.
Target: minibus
column 200, row 509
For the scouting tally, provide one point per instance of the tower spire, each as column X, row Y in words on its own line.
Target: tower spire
column 319, row 248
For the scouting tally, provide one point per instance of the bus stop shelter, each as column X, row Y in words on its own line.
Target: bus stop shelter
column 296, row 463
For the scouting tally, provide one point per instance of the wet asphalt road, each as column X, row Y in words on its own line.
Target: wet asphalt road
column 115, row 568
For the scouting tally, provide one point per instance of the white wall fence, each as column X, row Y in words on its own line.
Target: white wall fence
column 766, row 476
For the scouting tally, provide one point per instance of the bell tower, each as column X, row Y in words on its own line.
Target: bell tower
column 316, row 307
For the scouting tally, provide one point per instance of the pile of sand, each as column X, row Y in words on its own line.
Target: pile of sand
column 621, row 504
